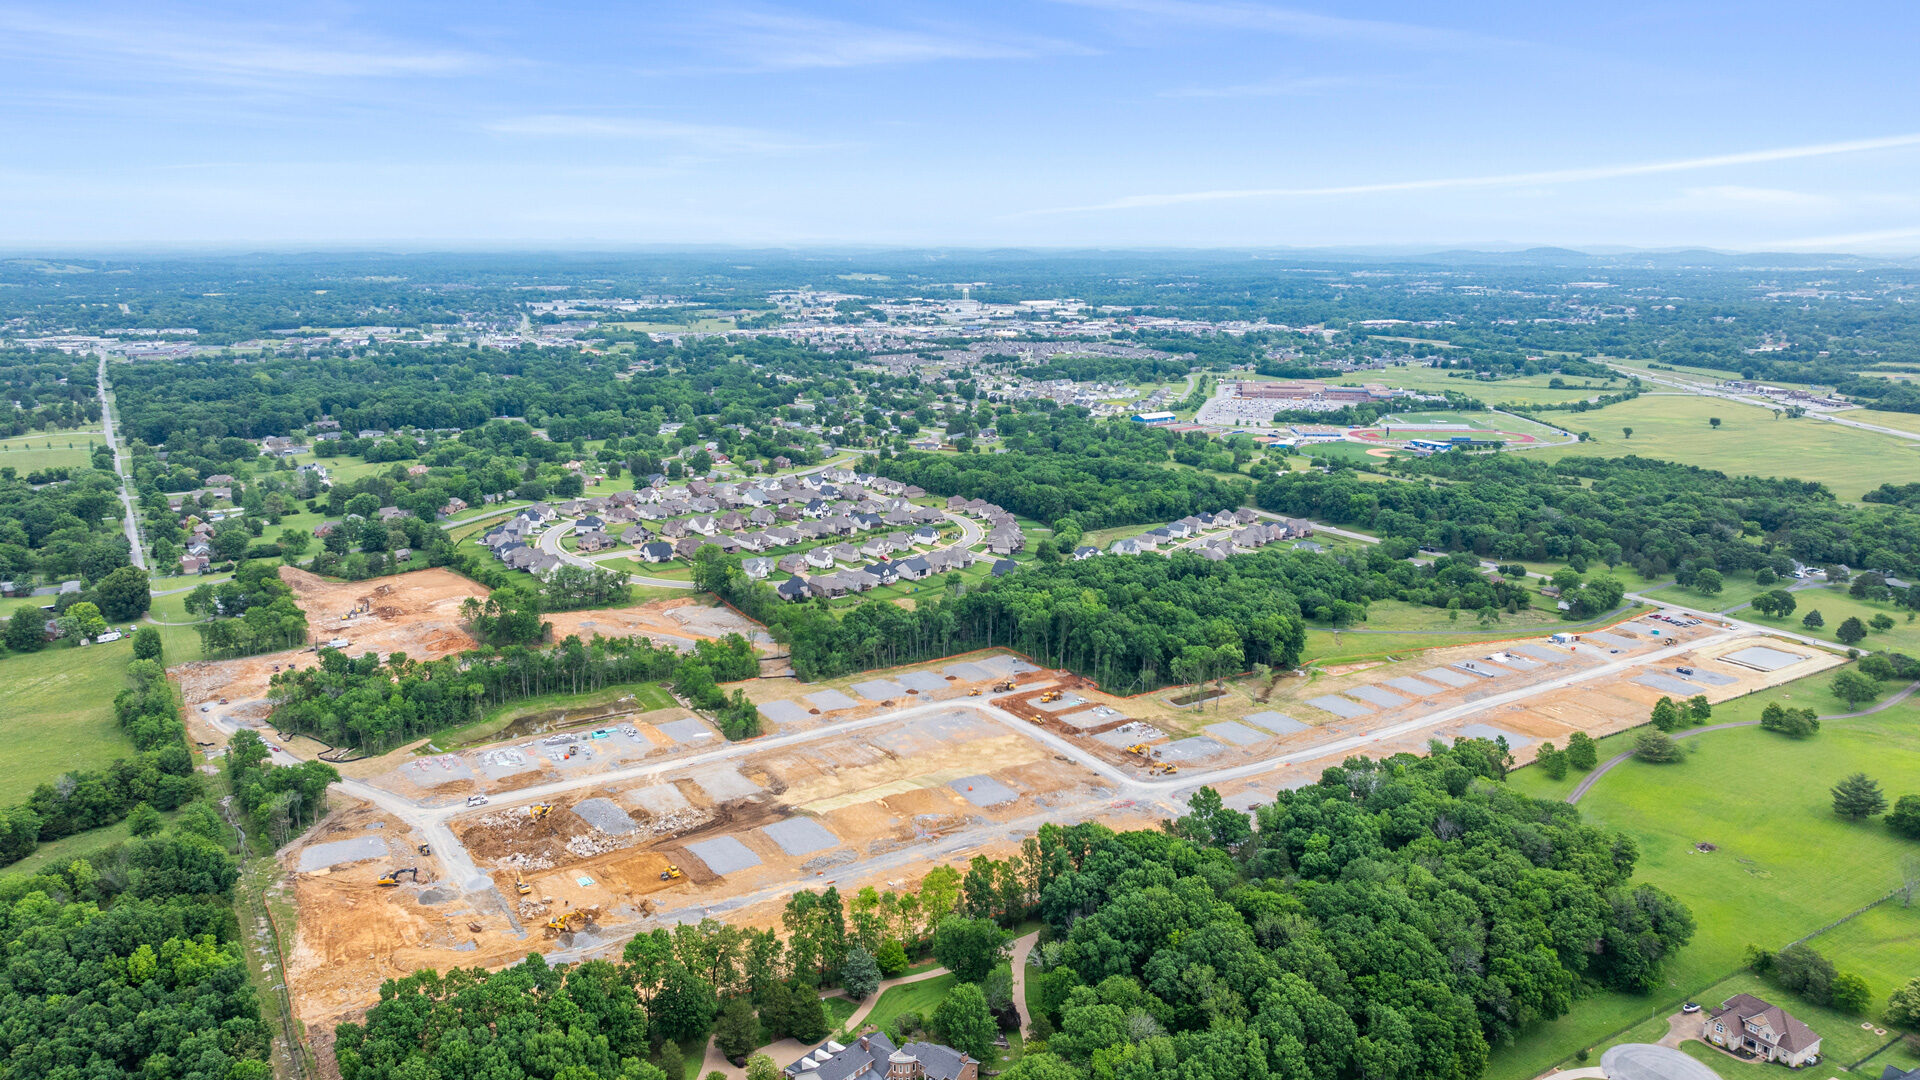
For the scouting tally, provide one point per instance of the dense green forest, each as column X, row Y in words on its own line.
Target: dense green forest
column 69, row 528
column 46, row 390
column 1132, row 623
column 1061, row 464
column 376, row 704
column 1655, row 516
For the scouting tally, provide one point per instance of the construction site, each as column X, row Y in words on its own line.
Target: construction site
column 570, row 838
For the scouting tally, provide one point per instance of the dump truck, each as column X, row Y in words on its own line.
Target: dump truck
column 392, row 877
column 1003, row 688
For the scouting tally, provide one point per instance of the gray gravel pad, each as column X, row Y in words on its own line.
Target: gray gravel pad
column 923, row 681
column 724, row 854
column 829, row 700
column 1374, row 695
column 686, row 731
column 1237, row 734
column 604, row 815
column 1409, row 684
column 784, row 712
column 983, row 790
column 1278, row 723
column 1340, row 707
column 321, row 856
column 1482, row 731
column 879, row 690
column 801, row 836
column 1451, row 678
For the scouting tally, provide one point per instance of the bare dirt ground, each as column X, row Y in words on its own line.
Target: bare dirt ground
column 416, row 613
column 679, row 621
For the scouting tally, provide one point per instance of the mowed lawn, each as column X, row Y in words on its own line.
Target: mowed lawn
column 49, row 449
column 1749, row 441
column 1835, row 607
column 1525, row 390
column 1783, row 866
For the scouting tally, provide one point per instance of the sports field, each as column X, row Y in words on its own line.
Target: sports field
column 1525, row 390
column 1749, row 441
column 1782, row 864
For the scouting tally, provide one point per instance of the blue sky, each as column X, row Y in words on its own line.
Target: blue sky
column 1059, row 122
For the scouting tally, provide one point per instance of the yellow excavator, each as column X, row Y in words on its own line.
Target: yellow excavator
column 1140, row 749
column 539, row 811
column 520, row 885
column 568, row 922
column 392, row 877
column 671, row 873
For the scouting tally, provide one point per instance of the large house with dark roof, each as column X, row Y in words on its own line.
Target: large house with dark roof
column 874, row 1056
column 1746, row 1024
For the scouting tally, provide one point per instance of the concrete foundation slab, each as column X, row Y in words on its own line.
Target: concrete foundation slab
column 1481, row 668
column 428, row 772
column 1518, row 663
column 1128, row 734
column 829, row 700
column 1450, row 678
column 1612, row 641
column 1340, row 707
column 966, row 672
column 1374, row 695
column 724, row 854
column 1060, row 704
column 341, row 852
column 1763, row 658
column 605, row 815
column 801, row 836
column 983, row 790
column 1091, row 718
column 1409, row 685
column 1237, row 734
column 1711, row 678
column 1278, row 723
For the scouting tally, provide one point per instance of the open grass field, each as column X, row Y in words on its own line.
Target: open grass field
column 1900, row 420
column 1738, row 588
column 1526, row 390
column 1749, row 441
column 57, row 713
column 699, row 325
column 49, row 449
column 1835, row 607
column 1784, row 864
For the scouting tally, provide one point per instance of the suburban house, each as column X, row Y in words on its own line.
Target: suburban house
column 1746, row 1024
column 657, row 552
column 756, row 568
column 874, row 1056
column 593, row 540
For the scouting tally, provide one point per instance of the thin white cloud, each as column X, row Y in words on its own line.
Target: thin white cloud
column 709, row 137
column 1295, row 87
column 774, row 41
column 219, row 50
column 1741, row 197
column 1550, row 176
column 1288, row 22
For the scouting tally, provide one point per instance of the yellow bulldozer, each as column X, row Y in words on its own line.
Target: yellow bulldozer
column 671, row 873
column 570, row 922
column 392, row 877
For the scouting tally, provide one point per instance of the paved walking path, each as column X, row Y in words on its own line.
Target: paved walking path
column 788, row 1050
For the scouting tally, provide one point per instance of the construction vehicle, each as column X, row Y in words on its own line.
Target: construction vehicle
column 671, row 873
column 1163, row 768
column 568, row 922
column 539, row 811
column 1141, row 749
column 520, row 885
column 1051, row 695
column 426, row 849
column 1003, row 688
column 975, row 692
column 392, row 877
